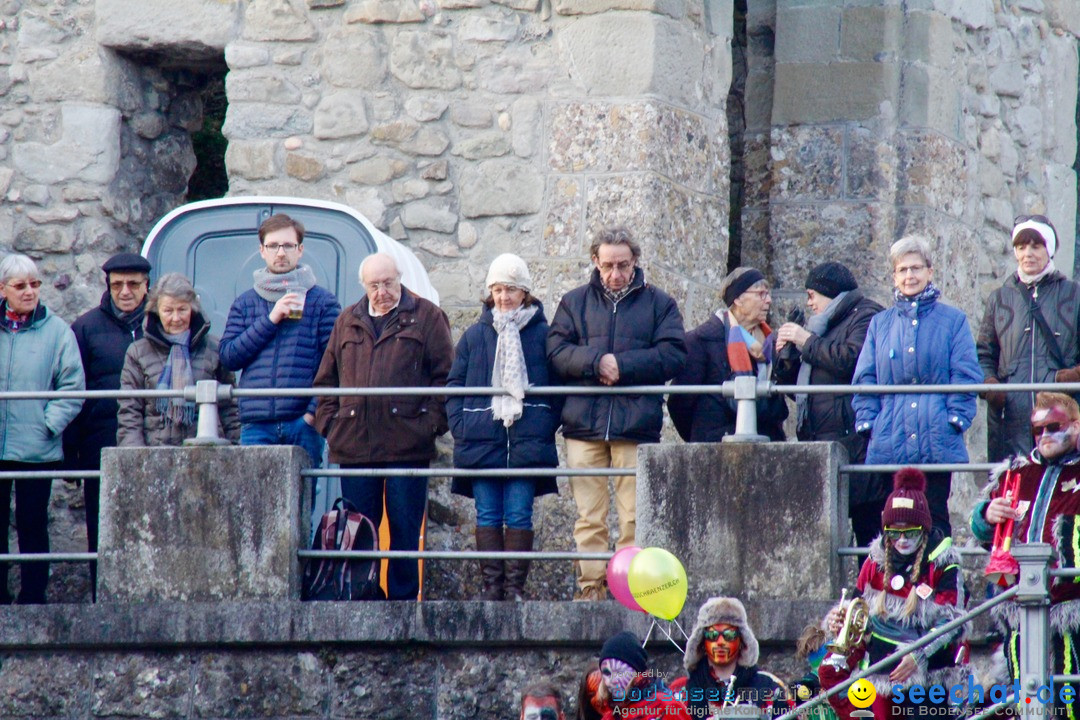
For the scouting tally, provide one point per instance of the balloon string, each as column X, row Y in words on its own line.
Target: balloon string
column 685, row 636
column 667, row 632
column 648, row 634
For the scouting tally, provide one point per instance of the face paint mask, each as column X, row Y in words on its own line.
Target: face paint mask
column 617, row 675
column 722, row 643
column 539, row 709
column 906, row 546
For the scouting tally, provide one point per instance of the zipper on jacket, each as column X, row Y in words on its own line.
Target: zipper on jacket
column 1034, row 299
column 611, row 349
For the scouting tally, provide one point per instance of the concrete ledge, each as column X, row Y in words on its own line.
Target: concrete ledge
column 440, row 623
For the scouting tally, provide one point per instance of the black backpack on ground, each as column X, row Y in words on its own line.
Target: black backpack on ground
column 343, row 528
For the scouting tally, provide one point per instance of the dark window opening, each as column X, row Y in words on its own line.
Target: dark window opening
column 210, row 179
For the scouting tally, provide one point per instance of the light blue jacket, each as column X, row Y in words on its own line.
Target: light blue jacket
column 924, row 343
column 43, row 356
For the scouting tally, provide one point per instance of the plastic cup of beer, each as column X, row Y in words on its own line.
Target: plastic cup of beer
column 296, row 312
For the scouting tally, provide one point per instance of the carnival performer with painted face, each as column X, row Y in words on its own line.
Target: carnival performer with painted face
column 635, row 691
column 912, row 584
column 1047, row 511
column 721, row 657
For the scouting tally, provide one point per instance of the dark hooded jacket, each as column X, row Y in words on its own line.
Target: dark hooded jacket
column 1012, row 348
column 103, row 339
column 644, row 331
column 480, row 441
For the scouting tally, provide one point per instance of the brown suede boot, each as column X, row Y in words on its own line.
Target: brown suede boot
column 517, row 570
column 490, row 539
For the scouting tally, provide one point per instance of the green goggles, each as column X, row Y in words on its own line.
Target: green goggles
column 729, row 635
column 909, row 534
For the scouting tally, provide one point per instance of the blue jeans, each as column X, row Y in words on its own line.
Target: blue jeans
column 287, row 432
column 406, row 501
column 504, row 501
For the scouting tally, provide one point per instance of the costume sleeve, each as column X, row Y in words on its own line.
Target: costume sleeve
column 963, row 370
column 980, row 528
column 130, row 416
column 949, row 601
column 1066, row 533
column 831, row 676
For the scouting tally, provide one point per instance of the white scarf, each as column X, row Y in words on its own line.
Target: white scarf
column 509, row 371
column 1032, row 279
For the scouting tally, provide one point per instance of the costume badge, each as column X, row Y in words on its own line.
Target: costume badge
column 1022, row 507
column 897, row 582
column 1071, row 486
column 924, row 591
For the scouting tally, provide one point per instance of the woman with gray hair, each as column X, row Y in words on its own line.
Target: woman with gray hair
column 39, row 352
column 925, row 342
column 175, row 351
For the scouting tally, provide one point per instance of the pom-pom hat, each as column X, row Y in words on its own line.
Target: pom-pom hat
column 907, row 504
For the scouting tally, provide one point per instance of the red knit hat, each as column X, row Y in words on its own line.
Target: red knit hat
column 907, row 505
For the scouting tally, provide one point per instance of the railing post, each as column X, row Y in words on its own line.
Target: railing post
column 745, row 391
column 1034, row 601
column 205, row 395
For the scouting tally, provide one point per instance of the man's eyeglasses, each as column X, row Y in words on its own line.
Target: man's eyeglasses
column 276, row 247
column 1054, row 427
column 119, row 285
column 23, row 284
column 377, row 286
column 622, row 267
column 908, row 534
column 729, row 634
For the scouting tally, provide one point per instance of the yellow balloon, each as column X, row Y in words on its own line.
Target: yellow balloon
column 657, row 582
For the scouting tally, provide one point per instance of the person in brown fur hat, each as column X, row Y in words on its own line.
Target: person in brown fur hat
column 911, row 587
column 721, row 658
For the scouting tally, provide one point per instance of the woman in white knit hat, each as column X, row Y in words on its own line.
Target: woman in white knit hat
column 506, row 349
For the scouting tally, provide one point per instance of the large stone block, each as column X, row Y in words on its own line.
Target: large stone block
column 808, row 164
column 634, row 54
column 931, row 99
column 1061, row 96
column 729, row 512
column 931, row 172
column 166, row 24
column 806, row 93
column 929, row 39
column 424, row 60
column 277, row 20
column 807, row 34
column 202, row 524
column 672, row 8
column 500, row 187
column 352, row 56
column 88, row 148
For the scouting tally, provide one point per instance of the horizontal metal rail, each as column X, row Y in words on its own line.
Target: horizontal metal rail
column 925, row 467
column 861, row 551
column 903, row 651
column 50, row 475
column 451, row 555
column 470, row 472
column 1065, row 572
column 48, row 557
column 991, row 711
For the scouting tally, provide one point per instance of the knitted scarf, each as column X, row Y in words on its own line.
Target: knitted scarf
column 509, row 371
column 176, row 376
column 928, row 295
column 15, row 322
column 273, row 286
column 817, row 325
column 743, row 344
column 132, row 320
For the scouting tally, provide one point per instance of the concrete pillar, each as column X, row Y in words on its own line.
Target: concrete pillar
column 755, row 521
column 202, row 524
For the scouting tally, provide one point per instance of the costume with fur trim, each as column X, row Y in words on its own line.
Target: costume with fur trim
column 940, row 572
column 648, row 697
column 752, row 686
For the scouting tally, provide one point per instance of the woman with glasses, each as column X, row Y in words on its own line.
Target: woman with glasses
column 911, row 583
column 38, row 352
column 175, row 352
column 721, row 657
column 918, row 341
column 733, row 342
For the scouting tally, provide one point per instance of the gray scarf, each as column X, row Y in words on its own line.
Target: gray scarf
column 509, row 371
column 816, row 325
column 273, row 286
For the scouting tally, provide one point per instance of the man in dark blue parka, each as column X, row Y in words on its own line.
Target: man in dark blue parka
column 276, row 334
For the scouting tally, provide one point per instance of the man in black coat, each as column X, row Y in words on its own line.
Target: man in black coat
column 827, row 350
column 104, row 334
column 615, row 330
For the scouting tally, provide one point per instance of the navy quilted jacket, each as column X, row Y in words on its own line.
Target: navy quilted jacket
column 917, row 343
column 285, row 355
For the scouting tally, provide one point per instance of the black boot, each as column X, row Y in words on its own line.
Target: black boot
column 517, row 570
column 490, row 539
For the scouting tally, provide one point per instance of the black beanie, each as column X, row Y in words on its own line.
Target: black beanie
column 626, row 647
column 126, row 262
column 830, row 279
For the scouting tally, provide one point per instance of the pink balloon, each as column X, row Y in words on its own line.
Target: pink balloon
column 617, row 570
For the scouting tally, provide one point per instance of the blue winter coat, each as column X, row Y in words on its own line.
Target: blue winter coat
column 480, row 441
column 285, row 355
column 923, row 343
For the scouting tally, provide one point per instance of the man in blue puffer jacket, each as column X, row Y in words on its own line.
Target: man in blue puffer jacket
column 276, row 334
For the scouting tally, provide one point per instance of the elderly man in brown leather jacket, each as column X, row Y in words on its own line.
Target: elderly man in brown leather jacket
column 391, row 338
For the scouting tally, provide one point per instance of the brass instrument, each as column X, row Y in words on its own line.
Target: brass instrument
column 856, row 624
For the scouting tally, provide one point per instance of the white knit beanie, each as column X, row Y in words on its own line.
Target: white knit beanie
column 509, row 269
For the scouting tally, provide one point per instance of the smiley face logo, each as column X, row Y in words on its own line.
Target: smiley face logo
column 862, row 694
